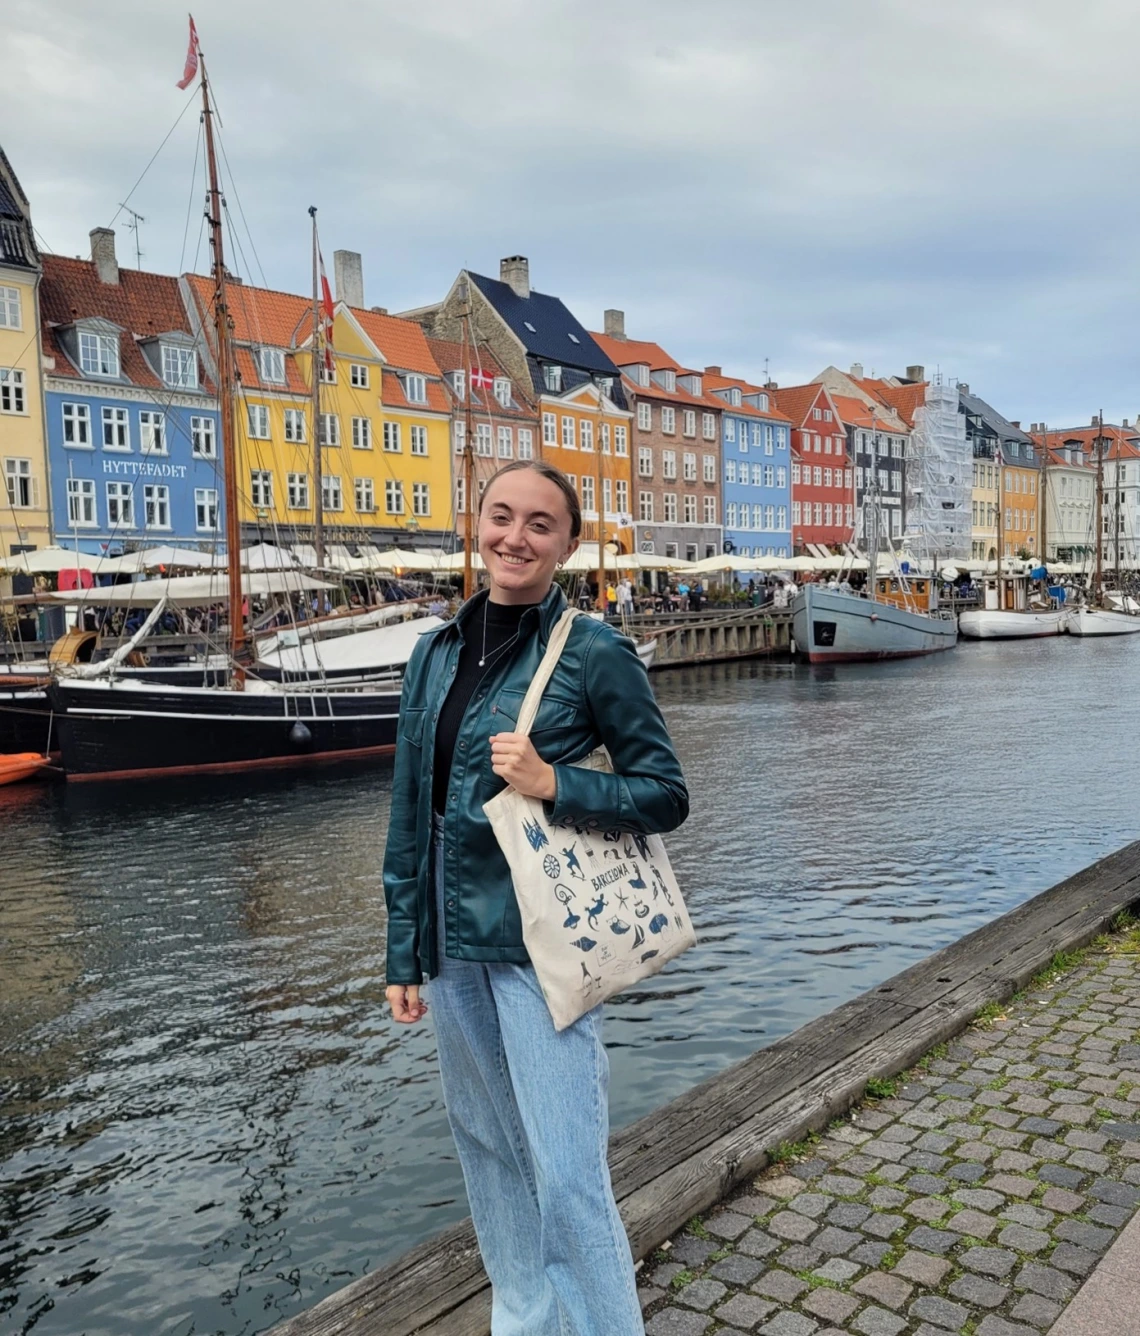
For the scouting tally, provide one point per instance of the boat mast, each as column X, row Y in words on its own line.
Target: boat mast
column 223, row 331
column 1098, row 570
column 871, row 518
column 1043, row 493
column 315, row 391
column 468, row 449
column 599, row 483
column 1000, row 523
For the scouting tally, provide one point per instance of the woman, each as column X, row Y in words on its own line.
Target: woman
column 527, row 1105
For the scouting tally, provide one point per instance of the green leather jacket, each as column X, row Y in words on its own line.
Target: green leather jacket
column 599, row 693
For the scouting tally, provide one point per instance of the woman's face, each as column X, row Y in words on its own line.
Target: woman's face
column 524, row 532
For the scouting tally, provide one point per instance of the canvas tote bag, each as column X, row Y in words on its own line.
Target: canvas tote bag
column 600, row 909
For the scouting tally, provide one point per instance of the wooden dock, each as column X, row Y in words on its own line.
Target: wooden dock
column 715, row 636
column 676, row 1162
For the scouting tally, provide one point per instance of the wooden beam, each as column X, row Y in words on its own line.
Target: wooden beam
column 680, row 1159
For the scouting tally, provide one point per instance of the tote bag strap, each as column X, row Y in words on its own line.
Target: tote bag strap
column 554, row 647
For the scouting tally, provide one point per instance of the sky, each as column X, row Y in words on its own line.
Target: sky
column 758, row 184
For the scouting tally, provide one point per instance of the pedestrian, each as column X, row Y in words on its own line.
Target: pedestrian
column 527, row 1104
column 625, row 596
column 611, row 598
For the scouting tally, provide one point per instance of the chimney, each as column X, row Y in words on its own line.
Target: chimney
column 713, row 371
column 349, row 275
column 1015, row 424
column 515, row 272
column 380, row 310
column 103, row 255
column 856, row 370
column 916, row 373
column 614, row 324
column 771, row 385
column 1124, row 423
column 1095, row 419
column 965, row 389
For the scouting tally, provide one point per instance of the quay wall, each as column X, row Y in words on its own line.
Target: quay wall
column 679, row 1160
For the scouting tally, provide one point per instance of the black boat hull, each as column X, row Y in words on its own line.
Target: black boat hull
column 26, row 722
column 147, row 732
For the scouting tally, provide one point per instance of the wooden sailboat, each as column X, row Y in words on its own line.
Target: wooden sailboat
column 1096, row 616
column 119, row 728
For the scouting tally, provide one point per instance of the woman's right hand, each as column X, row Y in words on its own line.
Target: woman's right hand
column 404, row 999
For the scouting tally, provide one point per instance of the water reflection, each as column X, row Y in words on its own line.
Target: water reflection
column 207, row 1121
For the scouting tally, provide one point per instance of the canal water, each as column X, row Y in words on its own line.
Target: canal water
column 208, row 1123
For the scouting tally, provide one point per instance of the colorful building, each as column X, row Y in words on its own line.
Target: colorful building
column 24, row 518
column 132, row 421
column 823, row 489
column 675, row 448
column 384, row 423
column 1070, row 484
column 755, row 440
column 998, row 444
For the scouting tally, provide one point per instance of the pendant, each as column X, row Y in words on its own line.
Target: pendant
column 482, row 662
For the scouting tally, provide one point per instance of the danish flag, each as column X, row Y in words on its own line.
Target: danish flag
column 480, row 379
column 327, row 313
column 191, row 67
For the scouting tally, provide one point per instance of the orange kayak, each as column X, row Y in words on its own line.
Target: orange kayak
column 15, row 766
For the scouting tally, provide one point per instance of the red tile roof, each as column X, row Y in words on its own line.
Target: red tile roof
column 904, row 399
column 638, row 352
column 1124, row 442
column 439, row 401
column 855, row 413
column 715, row 382
column 402, row 343
column 797, row 401
column 260, row 315
column 449, row 357
column 143, row 304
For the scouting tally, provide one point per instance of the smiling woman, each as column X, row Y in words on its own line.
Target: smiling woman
column 528, row 1105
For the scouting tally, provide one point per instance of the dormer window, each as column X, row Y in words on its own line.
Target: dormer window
column 502, row 391
column 179, row 367
column 762, row 400
column 643, row 375
column 734, row 396
column 530, row 327
column 606, row 385
column 99, row 355
column 271, row 366
column 552, row 378
column 669, row 380
column 457, row 385
column 574, row 338
column 415, row 389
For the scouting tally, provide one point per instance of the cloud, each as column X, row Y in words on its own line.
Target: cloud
column 891, row 182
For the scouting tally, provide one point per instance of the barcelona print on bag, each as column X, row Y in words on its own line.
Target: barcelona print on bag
column 600, row 909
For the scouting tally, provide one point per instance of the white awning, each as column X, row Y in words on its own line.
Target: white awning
column 192, row 591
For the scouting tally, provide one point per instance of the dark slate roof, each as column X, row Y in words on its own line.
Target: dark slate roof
column 999, row 425
column 553, row 324
column 16, row 244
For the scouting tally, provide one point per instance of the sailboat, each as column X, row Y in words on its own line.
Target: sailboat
column 115, row 728
column 1098, row 616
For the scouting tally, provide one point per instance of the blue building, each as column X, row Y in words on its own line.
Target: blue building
column 132, row 427
column 756, row 469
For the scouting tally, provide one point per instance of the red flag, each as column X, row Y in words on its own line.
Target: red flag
column 327, row 310
column 191, row 67
column 480, row 379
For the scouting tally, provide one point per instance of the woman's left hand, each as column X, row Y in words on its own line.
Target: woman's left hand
column 514, row 759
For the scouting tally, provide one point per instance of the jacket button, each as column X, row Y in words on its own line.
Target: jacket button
column 452, row 798
column 451, row 904
column 463, row 746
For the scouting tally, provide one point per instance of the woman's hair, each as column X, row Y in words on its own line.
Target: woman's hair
column 551, row 474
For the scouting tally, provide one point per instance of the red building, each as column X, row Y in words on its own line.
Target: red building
column 823, row 492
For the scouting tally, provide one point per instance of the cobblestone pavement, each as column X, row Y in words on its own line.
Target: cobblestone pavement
column 974, row 1198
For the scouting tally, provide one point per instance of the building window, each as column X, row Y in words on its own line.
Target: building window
column 505, row 443
column 77, row 426
column 483, row 440
column 839, row 446
column 460, row 496
column 587, row 493
column 757, row 433
column 393, row 496
column 81, row 503
column 690, row 511
column 421, row 499
column 20, row 483
column 768, row 440
column 668, row 420
column 605, row 433
column 730, row 430
column 271, row 366
column 817, row 510
column 827, row 477
column 328, row 371
column 769, row 476
column 179, row 367
column 9, row 308
column 644, row 462
column 120, row 505
column 730, row 515
column 297, row 491
column 415, row 388
column 644, row 416
column 827, row 512
column 709, row 468
column 257, row 419
column 669, row 507
column 758, row 517
column 781, row 476
column 645, row 507
column 781, row 517
column 769, row 517
column 116, row 429
column 745, row 516
column 392, row 438
column 457, row 385
column 205, row 509
column 152, row 433
column 203, row 444
column 621, row 439
column 329, row 429
column 358, row 376
column 795, row 512
column 708, row 426
column 795, row 474
column 730, row 470
column 502, row 391
column 586, row 434
column 261, row 488
column 526, row 443
column 669, row 464
column 156, row 506
column 364, row 493
column 817, row 476
column 99, row 355
column 757, row 475
column 568, row 433
column 689, row 466
column 549, row 429
column 689, row 422
column 419, row 440
column 552, row 378
column 294, row 425
column 361, row 433
column 332, row 493
column 622, row 495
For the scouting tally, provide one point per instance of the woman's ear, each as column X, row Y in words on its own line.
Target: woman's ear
column 571, row 549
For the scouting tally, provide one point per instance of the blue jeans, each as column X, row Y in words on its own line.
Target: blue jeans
column 528, row 1108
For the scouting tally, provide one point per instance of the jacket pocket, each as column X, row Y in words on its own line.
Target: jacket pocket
column 412, row 726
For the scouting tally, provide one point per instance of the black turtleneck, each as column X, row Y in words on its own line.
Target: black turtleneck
column 502, row 624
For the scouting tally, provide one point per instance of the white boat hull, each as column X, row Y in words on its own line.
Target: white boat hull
column 1000, row 624
column 1100, row 622
column 834, row 627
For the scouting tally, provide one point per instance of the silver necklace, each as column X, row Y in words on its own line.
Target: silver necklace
column 504, row 646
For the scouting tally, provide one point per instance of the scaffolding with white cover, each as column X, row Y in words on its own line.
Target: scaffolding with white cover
column 939, row 478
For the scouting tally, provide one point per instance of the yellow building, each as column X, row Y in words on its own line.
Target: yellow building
column 984, row 513
column 24, row 521
column 384, row 425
